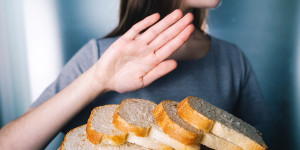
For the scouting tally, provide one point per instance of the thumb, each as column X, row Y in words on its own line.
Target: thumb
column 158, row 71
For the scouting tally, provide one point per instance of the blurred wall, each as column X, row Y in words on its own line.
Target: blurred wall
column 80, row 21
column 267, row 33
column 14, row 84
column 297, row 86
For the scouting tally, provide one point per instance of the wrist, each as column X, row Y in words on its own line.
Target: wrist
column 97, row 80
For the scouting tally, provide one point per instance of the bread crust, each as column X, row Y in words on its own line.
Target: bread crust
column 173, row 129
column 199, row 121
column 193, row 117
column 96, row 137
column 65, row 138
column 159, row 135
column 126, row 127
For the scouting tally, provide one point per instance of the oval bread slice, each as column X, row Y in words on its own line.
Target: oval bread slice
column 169, row 121
column 135, row 116
column 203, row 115
column 100, row 128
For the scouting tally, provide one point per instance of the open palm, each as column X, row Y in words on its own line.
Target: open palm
column 136, row 60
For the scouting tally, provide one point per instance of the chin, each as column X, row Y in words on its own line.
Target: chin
column 203, row 3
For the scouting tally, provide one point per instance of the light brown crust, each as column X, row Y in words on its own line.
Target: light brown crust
column 193, row 117
column 65, row 138
column 172, row 129
column 125, row 127
column 96, row 137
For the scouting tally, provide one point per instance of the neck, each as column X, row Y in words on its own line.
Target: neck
column 196, row 47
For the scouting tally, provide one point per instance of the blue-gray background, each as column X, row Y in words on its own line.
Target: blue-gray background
column 267, row 31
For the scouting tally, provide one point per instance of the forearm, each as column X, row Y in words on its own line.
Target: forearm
column 36, row 128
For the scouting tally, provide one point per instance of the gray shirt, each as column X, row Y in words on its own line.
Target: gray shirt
column 223, row 77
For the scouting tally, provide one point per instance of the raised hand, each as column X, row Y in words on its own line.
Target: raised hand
column 137, row 59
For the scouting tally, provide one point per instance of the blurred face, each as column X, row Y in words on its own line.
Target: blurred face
column 185, row 4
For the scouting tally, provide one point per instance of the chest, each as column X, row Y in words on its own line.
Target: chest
column 189, row 79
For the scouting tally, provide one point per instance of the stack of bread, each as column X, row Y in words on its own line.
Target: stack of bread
column 142, row 124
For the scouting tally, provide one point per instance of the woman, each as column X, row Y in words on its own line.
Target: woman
column 151, row 59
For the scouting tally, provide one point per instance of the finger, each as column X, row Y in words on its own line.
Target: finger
column 160, row 70
column 165, row 51
column 159, row 27
column 171, row 32
column 140, row 26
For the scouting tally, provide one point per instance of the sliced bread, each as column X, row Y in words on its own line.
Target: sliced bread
column 157, row 133
column 134, row 117
column 148, row 142
column 100, row 128
column 169, row 121
column 167, row 118
column 76, row 139
column 203, row 115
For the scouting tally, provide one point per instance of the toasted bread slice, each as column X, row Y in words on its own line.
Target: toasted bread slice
column 100, row 128
column 205, row 116
column 76, row 139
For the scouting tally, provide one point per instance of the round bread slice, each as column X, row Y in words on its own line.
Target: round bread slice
column 76, row 139
column 100, row 128
column 169, row 121
column 135, row 116
column 205, row 116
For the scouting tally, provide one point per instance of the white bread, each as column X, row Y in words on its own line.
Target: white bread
column 157, row 133
column 203, row 115
column 134, row 117
column 100, row 128
column 217, row 143
column 168, row 119
column 76, row 139
column 148, row 142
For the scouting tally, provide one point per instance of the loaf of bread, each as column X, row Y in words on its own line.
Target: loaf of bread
column 142, row 124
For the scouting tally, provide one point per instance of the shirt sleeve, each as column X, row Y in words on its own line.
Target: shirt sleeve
column 250, row 106
column 79, row 63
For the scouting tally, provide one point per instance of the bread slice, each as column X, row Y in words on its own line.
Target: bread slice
column 157, row 133
column 217, row 143
column 76, row 139
column 100, row 128
column 148, row 142
column 134, row 117
column 169, row 121
column 167, row 118
column 205, row 116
